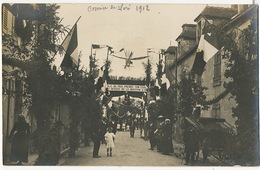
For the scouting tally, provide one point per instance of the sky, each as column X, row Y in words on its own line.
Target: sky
column 155, row 26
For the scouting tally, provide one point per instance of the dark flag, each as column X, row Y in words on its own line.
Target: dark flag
column 70, row 46
column 199, row 64
column 98, row 46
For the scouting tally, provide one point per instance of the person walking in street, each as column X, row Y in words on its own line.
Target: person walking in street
column 19, row 138
column 141, row 126
column 167, row 146
column 110, row 138
column 152, row 128
column 146, row 129
column 132, row 126
column 159, row 132
column 191, row 143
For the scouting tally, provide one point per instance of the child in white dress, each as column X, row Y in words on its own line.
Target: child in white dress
column 110, row 137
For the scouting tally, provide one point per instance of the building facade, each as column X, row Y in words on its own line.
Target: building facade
column 236, row 18
column 13, row 86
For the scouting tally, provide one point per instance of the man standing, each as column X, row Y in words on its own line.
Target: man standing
column 152, row 128
column 146, row 129
column 97, row 137
column 159, row 132
column 132, row 126
column 191, row 143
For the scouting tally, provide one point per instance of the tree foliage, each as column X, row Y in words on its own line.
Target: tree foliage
column 148, row 71
column 242, row 56
column 190, row 94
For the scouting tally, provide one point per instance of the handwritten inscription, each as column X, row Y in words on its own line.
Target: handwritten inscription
column 121, row 7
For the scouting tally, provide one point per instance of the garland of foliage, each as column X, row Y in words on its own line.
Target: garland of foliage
column 214, row 100
column 243, row 72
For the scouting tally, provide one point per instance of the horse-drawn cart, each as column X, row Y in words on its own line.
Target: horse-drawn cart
column 215, row 137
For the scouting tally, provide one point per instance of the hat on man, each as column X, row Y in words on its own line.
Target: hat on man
column 160, row 117
column 167, row 120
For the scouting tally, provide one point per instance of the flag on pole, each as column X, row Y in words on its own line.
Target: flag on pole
column 207, row 48
column 150, row 50
column 70, row 46
column 209, row 41
column 199, row 63
column 98, row 46
column 165, row 81
column 165, row 85
column 206, row 45
column 110, row 49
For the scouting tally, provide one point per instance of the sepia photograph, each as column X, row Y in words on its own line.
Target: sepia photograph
column 130, row 84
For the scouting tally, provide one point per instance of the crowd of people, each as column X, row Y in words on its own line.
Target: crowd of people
column 159, row 133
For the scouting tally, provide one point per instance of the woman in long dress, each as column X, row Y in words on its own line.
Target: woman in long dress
column 20, row 141
column 167, row 145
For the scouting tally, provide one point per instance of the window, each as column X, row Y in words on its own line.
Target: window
column 5, row 18
column 217, row 70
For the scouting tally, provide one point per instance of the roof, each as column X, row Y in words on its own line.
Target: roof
column 10, row 8
column 188, row 35
column 171, row 50
column 184, row 56
column 189, row 25
column 253, row 10
column 217, row 12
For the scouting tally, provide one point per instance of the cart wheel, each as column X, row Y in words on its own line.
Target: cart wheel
column 197, row 155
column 221, row 154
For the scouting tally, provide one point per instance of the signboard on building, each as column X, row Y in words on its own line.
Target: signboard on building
column 125, row 87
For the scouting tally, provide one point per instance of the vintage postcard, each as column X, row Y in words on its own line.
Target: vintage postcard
column 130, row 84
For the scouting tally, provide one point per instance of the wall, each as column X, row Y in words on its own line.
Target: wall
column 185, row 45
column 222, row 109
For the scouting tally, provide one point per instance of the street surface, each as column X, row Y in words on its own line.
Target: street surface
column 127, row 152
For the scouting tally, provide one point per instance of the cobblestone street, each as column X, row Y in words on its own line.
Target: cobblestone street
column 127, row 152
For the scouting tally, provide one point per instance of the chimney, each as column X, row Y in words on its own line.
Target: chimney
column 187, row 39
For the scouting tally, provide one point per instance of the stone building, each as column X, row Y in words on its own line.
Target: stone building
column 13, row 87
column 236, row 18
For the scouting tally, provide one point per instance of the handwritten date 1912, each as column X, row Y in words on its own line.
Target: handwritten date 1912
column 141, row 8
